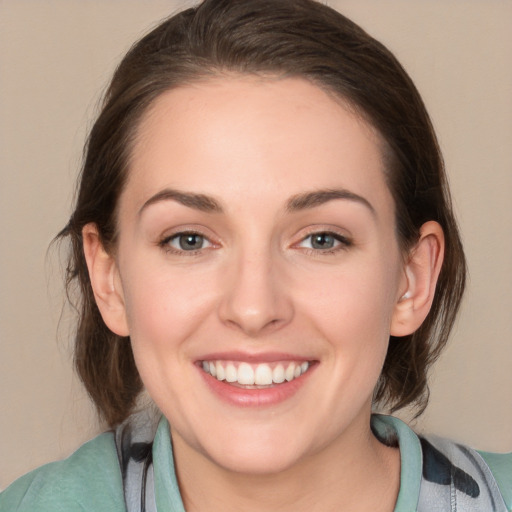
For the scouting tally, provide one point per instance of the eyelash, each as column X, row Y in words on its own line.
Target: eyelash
column 341, row 243
column 165, row 243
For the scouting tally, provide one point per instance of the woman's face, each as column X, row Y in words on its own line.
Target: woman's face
column 259, row 269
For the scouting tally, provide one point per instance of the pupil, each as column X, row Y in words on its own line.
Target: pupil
column 191, row 241
column 322, row 241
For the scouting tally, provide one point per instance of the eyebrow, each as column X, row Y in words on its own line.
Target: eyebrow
column 319, row 197
column 298, row 202
column 199, row 202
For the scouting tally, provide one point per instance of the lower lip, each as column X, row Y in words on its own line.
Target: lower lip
column 246, row 397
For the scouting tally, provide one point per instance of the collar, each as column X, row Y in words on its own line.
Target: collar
column 387, row 428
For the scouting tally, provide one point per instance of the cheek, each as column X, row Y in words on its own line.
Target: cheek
column 164, row 311
column 353, row 310
column 163, row 307
column 356, row 300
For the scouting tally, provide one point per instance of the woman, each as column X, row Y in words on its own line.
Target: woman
column 264, row 242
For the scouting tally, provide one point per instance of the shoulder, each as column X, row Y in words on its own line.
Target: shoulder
column 451, row 472
column 439, row 474
column 89, row 480
column 500, row 465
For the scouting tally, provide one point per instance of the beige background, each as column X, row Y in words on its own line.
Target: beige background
column 55, row 59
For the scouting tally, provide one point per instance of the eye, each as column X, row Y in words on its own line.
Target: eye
column 186, row 242
column 324, row 241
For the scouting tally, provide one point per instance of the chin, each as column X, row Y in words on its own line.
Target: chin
column 253, row 451
column 266, row 461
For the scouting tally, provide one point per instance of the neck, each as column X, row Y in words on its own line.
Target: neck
column 354, row 473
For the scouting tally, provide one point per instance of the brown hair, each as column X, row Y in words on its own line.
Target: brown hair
column 281, row 38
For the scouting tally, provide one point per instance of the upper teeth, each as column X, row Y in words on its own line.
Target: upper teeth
column 262, row 374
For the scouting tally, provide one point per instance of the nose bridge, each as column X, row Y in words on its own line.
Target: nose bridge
column 255, row 299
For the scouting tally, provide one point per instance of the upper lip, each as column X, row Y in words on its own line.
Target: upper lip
column 262, row 357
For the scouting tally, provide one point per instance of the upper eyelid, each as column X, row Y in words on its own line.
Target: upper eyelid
column 179, row 235
column 344, row 241
column 175, row 234
column 336, row 232
column 339, row 234
column 166, row 244
column 340, row 238
column 187, row 230
column 182, row 233
column 164, row 240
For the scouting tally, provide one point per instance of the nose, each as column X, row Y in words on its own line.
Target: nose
column 256, row 299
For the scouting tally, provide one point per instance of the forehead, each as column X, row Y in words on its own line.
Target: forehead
column 254, row 136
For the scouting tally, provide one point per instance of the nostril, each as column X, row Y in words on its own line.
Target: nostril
column 252, row 299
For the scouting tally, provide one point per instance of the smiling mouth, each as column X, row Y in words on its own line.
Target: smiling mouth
column 255, row 376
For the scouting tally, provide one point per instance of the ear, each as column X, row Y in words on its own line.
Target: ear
column 105, row 281
column 421, row 273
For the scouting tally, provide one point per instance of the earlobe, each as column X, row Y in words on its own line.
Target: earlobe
column 421, row 273
column 105, row 281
